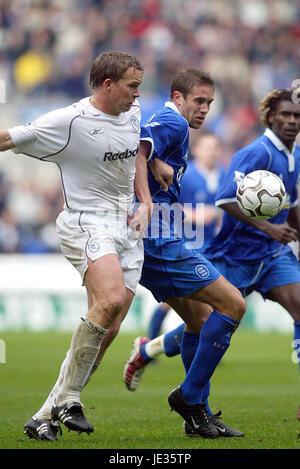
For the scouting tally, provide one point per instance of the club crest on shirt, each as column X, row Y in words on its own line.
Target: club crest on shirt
column 135, row 124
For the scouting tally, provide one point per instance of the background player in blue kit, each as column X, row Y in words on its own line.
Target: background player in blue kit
column 202, row 178
column 199, row 186
column 254, row 254
column 180, row 276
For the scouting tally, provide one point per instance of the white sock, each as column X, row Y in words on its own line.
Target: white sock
column 94, row 368
column 85, row 346
column 45, row 410
column 155, row 347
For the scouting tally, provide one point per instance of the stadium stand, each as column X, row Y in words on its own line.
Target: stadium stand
column 46, row 47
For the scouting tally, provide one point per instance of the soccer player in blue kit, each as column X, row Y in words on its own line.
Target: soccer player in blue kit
column 254, row 254
column 201, row 181
column 179, row 276
column 199, row 186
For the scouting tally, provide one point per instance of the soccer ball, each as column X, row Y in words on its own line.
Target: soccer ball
column 261, row 195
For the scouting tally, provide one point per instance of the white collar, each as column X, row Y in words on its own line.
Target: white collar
column 278, row 143
column 281, row 147
column 87, row 104
column 172, row 106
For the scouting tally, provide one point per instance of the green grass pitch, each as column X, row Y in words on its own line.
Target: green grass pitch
column 256, row 386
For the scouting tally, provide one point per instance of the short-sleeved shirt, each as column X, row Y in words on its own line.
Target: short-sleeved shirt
column 238, row 242
column 170, row 269
column 168, row 133
column 94, row 151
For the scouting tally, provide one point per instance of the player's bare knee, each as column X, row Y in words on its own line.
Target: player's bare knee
column 114, row 304
column 109, row 308
column 239, row 307
column 235, row 306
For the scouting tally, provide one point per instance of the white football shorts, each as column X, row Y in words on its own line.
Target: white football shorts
column 86, row 235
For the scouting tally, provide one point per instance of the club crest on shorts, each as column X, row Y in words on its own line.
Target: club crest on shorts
column 93, row 246
column 202, row 271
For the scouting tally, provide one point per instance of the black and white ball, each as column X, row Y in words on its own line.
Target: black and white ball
column 261, row 195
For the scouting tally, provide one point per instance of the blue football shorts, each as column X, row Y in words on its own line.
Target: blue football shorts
column 263, row 276
column 172, row 270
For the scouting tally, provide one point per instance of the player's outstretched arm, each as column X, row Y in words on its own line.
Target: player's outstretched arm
column 282, row 233
column 6, row 142
column 141, row 219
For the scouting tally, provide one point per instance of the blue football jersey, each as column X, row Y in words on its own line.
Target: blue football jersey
column 168, row 133
column 170, row 268
column 236, row 241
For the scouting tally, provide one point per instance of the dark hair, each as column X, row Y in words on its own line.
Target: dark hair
column 270, row 102
column 185, row 80
column 112, row 65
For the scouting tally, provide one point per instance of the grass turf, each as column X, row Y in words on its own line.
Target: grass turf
column 256, row 386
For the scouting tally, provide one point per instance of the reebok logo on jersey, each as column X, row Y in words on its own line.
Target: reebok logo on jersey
column 110, row 156
column 96, row 131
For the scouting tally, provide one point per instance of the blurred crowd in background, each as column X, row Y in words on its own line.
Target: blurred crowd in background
column 47, row 47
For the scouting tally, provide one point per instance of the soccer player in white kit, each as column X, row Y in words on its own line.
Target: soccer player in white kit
column 94, row 142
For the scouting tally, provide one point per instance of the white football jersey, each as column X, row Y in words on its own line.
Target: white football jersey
column 94, row 151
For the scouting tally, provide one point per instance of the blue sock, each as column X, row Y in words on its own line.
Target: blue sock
column 214, row 341
column 205, row 394
column 189, row 346
column 297, row 340
column 156, row 322
column 172, row 341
